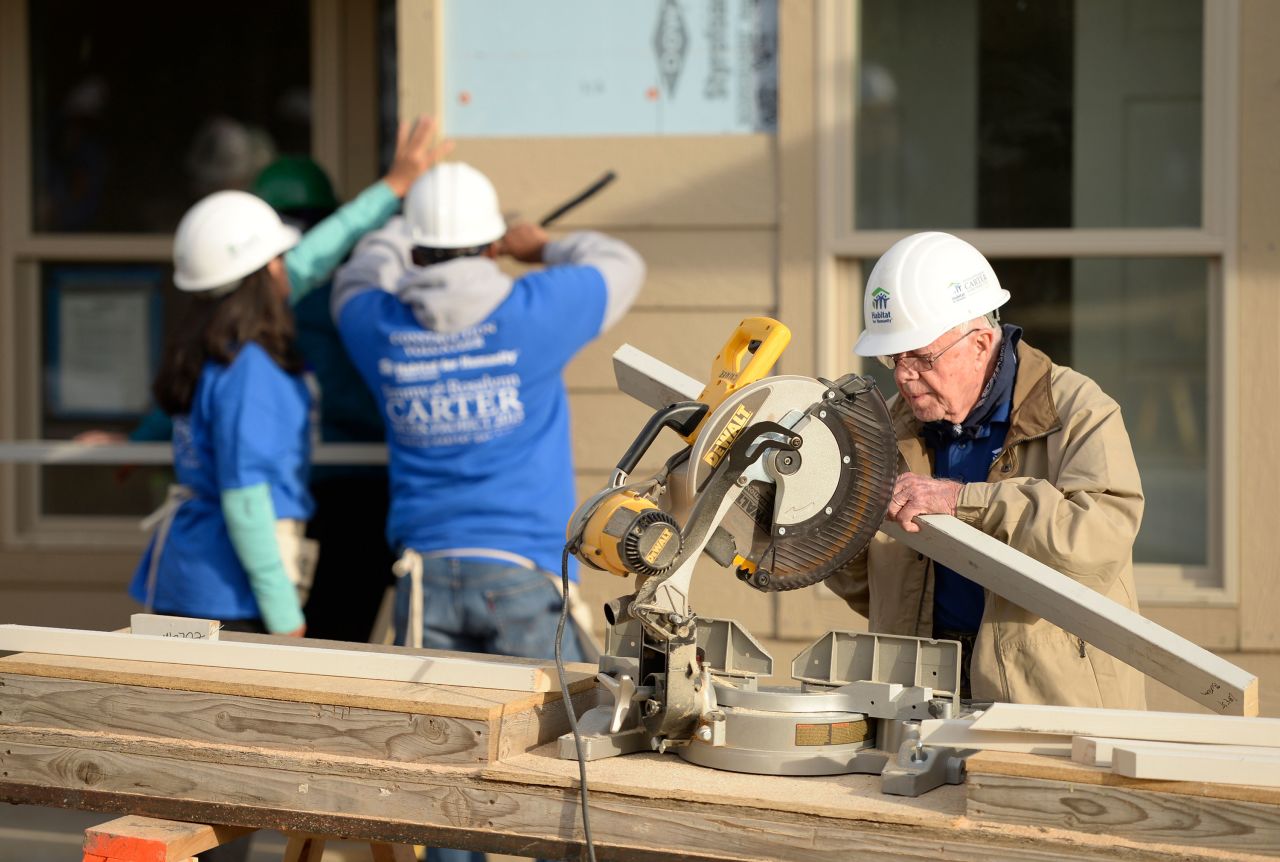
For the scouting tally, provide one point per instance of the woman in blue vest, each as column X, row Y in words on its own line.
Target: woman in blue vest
column 229, row 543
column 232, row 380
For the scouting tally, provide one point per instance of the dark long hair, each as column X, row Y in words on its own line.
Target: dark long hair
column 215, row 329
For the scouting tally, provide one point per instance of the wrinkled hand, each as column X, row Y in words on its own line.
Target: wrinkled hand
column 914, row 494
column 524, row 241
column 415, row 153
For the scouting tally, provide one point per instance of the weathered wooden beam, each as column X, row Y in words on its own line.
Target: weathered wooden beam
column 397, row 666
column 1121, row 812
column 222, row 719
column 1159, row 653
column 458, row 809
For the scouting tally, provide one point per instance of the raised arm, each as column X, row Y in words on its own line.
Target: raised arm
column 312, row 261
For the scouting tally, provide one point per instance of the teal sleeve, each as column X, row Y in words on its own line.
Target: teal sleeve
column 251, row 522
column 155, row 427
column 312, row 261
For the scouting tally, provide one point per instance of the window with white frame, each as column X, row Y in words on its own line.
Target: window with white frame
column 1081, row 145
column 121, row 121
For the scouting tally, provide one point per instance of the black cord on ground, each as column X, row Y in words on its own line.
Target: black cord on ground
column 568, row 706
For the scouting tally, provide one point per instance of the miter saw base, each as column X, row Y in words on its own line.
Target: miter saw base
column 855, row 711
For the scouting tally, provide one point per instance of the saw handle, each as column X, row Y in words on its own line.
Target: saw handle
column 681, row 417
column 748, row 356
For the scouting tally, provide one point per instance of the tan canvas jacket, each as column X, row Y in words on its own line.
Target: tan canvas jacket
column 1065, row 490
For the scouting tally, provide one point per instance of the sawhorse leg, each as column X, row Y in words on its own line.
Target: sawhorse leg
column 310, row 848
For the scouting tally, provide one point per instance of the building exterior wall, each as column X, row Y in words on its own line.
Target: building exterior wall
column 730, row 226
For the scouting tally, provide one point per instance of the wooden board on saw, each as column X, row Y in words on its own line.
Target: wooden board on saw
column 1054, row 792
column 284, row 711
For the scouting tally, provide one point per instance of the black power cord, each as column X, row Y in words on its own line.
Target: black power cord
column 568, row 704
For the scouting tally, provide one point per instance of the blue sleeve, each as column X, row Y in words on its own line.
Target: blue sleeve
column 357, row 323
column 155, row 427
column 251, row 523
column 254, row 425
column 312, row 261
column 564, row 309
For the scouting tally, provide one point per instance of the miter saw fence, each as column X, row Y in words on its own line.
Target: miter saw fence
column 785, row 480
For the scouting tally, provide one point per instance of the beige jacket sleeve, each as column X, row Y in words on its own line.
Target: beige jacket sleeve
column 1082, row 518
column 850, row 582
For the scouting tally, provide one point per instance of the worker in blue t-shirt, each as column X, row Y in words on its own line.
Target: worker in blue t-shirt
column 229, row 542
column 466, row 365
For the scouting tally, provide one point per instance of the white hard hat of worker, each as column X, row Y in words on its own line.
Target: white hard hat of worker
column 924, row 285
column 453, row 205
column 223, row 238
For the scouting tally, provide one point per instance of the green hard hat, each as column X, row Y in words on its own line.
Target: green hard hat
column 295, row 183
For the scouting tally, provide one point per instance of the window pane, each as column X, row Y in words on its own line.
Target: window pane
column 1009, row 113
column 101, row 334
column 582, row 67
column 1139, row 328
column 139, row 110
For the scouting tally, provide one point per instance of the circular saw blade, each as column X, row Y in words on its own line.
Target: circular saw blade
column 853, row 441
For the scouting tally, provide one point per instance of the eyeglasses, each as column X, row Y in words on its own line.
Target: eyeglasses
column 920, row 362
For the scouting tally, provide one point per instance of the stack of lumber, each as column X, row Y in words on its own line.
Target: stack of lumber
column 1168, row 746
column 1194, row 779
column 265, row 749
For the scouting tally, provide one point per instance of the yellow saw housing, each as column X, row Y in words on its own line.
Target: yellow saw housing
column 629, row 533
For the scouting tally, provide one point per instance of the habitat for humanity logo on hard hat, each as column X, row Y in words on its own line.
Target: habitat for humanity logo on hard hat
column 880, row 306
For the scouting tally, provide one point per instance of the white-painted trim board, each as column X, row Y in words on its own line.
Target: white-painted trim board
column 650, row 380
column 1169, row 764
column 959, row 733
column 1130, row 724
column 431, row 670
column 1111, row 627
column 1097, row 751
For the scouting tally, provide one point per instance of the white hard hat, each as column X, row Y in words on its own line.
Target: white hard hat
column 924, row 285
column 453, row 205
column 225, row 237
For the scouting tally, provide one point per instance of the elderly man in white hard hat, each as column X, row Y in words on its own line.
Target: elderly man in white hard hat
column 1031, row 453
column 466, row 366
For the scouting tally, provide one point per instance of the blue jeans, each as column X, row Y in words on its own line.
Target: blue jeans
column 475, row 605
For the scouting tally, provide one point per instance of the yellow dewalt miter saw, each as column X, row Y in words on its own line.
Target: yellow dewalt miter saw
column 782, row 480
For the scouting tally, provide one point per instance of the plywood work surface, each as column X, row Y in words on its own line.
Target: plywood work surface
column 855, row 797
column 1063, row 769
column 414, row 698
column 941, row 821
